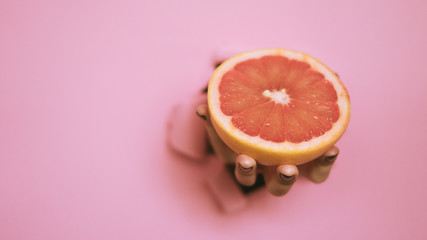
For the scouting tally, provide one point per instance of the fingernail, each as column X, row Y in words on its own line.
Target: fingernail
column 201, row 116
column 245, row 169
column 331, row 158
column 286, row 178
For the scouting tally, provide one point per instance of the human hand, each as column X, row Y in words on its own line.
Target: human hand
column 278, row 179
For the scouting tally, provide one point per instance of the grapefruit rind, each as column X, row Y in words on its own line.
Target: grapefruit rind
column 268, row 152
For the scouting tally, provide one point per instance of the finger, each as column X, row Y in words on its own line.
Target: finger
column 205, row 90
column 280, row 179
column 245, row 171
column 217, row 64
column 318, row 170
column 221, row 150
column 202, row 111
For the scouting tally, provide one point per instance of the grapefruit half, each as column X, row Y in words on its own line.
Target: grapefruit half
column 278, row 106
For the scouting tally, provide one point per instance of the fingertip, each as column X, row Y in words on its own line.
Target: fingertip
column 330, row 156
column 202, row 111
column 318, row 170
column 245, row 171
column 217, row 64
column 287, row 173
column 245, row 162
column 289, row 170
column 280, row 179
column 334, row 151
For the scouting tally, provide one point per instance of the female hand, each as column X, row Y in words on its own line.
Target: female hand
column 278, row 179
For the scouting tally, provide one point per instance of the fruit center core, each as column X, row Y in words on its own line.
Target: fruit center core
column 277, row 96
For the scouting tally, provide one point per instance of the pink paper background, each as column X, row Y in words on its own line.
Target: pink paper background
column 86, row 88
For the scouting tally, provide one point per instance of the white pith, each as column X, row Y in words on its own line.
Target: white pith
column 278, row 96
column 281, row 97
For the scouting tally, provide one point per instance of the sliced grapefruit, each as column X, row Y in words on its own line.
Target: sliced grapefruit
column 278, row 106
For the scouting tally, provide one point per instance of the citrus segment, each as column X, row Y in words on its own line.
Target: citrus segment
column 252, row 119
column 254, row 72
column 235, row 82
column 278, row 104
column 274, row 126
column 233, row 104
column 275, row 70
